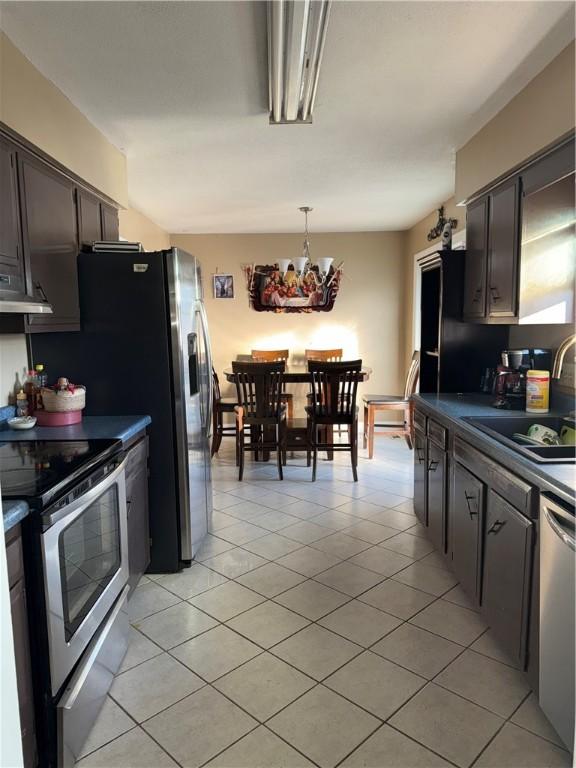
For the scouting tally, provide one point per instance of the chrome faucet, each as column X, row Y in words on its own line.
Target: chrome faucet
column 560, row 354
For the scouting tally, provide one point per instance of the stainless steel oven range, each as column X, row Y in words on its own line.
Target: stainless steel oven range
column 76, row 563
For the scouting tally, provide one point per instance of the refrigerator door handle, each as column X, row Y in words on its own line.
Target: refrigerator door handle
column 209, row 394
column 193, row 363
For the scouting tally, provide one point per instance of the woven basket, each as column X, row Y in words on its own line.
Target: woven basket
column 63, row 401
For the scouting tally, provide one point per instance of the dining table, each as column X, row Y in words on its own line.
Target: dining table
column 295, row 374
column 298, row 374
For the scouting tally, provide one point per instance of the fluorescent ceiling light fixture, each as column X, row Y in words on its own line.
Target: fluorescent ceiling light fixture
column 296, row 35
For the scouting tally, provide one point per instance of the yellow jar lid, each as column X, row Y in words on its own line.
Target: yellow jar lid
column 538, row 373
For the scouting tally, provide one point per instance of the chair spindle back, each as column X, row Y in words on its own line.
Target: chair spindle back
column 259, row 389
column 412, row 377
column 334, row 390
column 326, row 355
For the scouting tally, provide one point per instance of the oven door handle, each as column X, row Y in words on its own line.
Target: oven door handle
column 69, row 512
column 73, row 691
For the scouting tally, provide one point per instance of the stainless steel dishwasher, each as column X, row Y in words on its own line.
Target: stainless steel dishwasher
column 557, row 615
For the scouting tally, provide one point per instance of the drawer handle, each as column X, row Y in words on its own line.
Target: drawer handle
column 433, row 465
column 471, row 511
column 497, row 527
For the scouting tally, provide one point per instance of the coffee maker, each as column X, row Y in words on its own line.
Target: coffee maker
column 510, row 380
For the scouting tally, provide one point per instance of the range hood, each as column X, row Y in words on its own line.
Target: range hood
column 20, row 303
column 14, row 301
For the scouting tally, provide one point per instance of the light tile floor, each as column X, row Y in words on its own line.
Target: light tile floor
column 318, row 627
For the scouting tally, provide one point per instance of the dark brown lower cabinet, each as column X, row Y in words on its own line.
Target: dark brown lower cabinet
column 467, row 512
column 506, row 572
column 420, row 501
column 138, row 516
column 21, row 646
column 437, row 474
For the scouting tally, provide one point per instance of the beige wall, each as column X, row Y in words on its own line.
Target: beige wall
column 33, row 106
column 538, row 116
column 134, row 226
column 367, row 319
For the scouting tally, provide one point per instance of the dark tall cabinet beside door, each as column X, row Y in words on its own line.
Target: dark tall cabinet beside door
column 50, row 243
column 508, row 550
column 476, row 260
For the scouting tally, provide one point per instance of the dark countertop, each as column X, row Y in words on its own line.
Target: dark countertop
column 452, row 408
column 13, row 512
column 91, row 428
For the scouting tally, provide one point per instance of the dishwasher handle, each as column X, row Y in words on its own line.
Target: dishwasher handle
column 562, row 524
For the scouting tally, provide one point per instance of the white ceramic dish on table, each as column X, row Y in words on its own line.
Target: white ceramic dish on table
column 22, row 422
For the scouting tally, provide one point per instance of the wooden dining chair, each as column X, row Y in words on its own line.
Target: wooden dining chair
column 333, row 403
column 221, row 406
column 373, row 403
column 260, row 409
column 326, row 355
column 276, row 356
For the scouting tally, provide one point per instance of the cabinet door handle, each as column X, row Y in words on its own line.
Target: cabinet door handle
column 495, row 295
column 41, row 291
column 470, row 498
column 498, row 525
column 420, row 457
column 433, row 465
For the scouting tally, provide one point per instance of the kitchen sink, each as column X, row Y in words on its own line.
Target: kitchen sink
column 503, row 428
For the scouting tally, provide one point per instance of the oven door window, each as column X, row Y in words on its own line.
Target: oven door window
column 90, row 556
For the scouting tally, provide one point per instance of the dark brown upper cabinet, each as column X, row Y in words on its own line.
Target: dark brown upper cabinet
column 110, row 226
column 476, row 260
column 492, row 252
column 510, row 230
column 50, row 242
column 502, row 283
column 89, row 217
column 11, row 266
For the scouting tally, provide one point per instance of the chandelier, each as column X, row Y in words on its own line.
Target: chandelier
column 303, row 266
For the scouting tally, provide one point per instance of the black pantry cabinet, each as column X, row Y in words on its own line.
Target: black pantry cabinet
column 45, row 216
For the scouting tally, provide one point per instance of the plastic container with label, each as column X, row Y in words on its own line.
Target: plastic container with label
column 537, row 391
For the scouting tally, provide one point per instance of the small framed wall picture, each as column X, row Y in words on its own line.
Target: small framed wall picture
column 223, row 286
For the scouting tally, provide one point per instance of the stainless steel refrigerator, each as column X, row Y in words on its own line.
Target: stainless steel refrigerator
column 144, row 348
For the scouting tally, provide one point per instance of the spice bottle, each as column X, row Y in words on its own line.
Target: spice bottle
column 21, row 404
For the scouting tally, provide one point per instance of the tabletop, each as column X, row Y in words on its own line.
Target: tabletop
column 298, row 374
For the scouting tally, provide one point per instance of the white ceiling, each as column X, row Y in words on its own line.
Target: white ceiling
column 181, row 88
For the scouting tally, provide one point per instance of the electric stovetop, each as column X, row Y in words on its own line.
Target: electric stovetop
column 38, row 471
